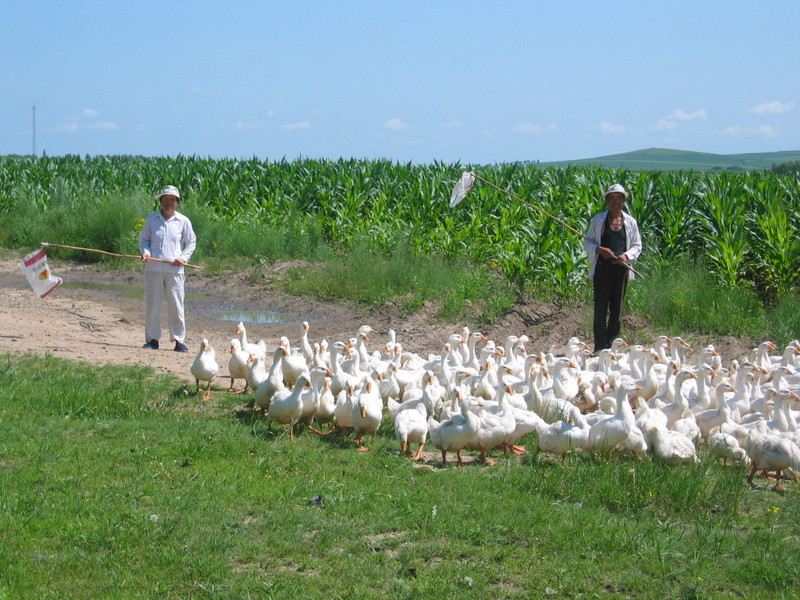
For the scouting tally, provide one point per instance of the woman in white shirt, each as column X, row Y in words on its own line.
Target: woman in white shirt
column 166, row 235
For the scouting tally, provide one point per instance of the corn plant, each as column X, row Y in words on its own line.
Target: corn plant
column 724, row 227
column 777, row 235
column 674, row 218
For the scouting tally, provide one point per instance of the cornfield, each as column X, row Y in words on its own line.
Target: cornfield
column 743, row 226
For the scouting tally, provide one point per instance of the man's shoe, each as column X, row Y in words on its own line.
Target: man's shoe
column 152, row 344
column 181, row 347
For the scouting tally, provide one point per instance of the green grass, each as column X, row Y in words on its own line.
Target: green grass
column 683, row 297
column 402, row 279
column 115, row 483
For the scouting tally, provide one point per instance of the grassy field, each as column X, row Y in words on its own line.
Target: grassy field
column 116, row 483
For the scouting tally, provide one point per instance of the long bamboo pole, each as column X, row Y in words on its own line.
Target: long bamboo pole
column 46, row 244
column 572, row 229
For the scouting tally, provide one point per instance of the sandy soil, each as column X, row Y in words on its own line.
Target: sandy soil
column 106, row 325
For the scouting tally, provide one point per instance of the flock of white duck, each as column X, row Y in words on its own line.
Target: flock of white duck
column 659, row 401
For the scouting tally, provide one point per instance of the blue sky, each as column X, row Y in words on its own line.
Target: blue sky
column 416, row 81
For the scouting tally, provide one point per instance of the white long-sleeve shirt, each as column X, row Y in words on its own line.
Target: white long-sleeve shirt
column 633, row 240
column 167, row 239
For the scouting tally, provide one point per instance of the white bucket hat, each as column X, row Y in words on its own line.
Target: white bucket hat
column 616, row 189
column 171, row 190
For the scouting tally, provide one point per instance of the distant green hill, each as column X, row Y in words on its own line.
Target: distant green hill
column 677, row 160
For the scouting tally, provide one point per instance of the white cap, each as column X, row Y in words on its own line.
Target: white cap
column 616, row 189
column 171, row 190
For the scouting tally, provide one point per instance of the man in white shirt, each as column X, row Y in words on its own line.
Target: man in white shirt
column 166, row 235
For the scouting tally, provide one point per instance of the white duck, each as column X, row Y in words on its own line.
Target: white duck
column 305, row 346
column 428, row 396
column 387, row 384
column 341, row 378
column 259, row 349
column 562, row 437
column 702, row 401
column 679, row 349
column 256, row 371
column 564, row 387
column 411, row 427
column 782, row 421
column 407, row 377
column 204, row 367
column 343, row 411
column 238, row 365
column 774, row 453
column 311, row 398
column 727, row 447
column 687, row 425
column 605, row 435
column 666, row 393
column 715, row 417
column 286, row 406
column 326, row 404
column 550, row 407
column 367, row 412
column 740, row 402
column 526, row 422
column 453, row 434
column 670, row 447
column 761, row 354
column 484, row 385
column 495, row 426
column 675, row 409
column 647, row 417
column 272, row 383
column 471, row 359
column 650, row 383
column 294, row 364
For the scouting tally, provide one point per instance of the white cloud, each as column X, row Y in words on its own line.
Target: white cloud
column 103, row 126
column 395, row 124
column 766, row 131
column 673, row 120
column 298, row 125
column 85, row 120
column 246, row 125
column 772, row 108
column 66, row 128
column 453, row 125
column 608, row 128
column 533, row 128
column 682, row 115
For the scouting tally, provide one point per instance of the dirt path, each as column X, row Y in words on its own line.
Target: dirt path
column 97, row 316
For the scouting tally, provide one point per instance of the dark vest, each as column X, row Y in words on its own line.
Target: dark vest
column 616, row 241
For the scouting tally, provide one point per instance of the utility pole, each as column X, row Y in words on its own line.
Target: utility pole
column 34, row 131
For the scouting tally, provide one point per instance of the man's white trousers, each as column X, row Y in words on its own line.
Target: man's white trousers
column 158, row 286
